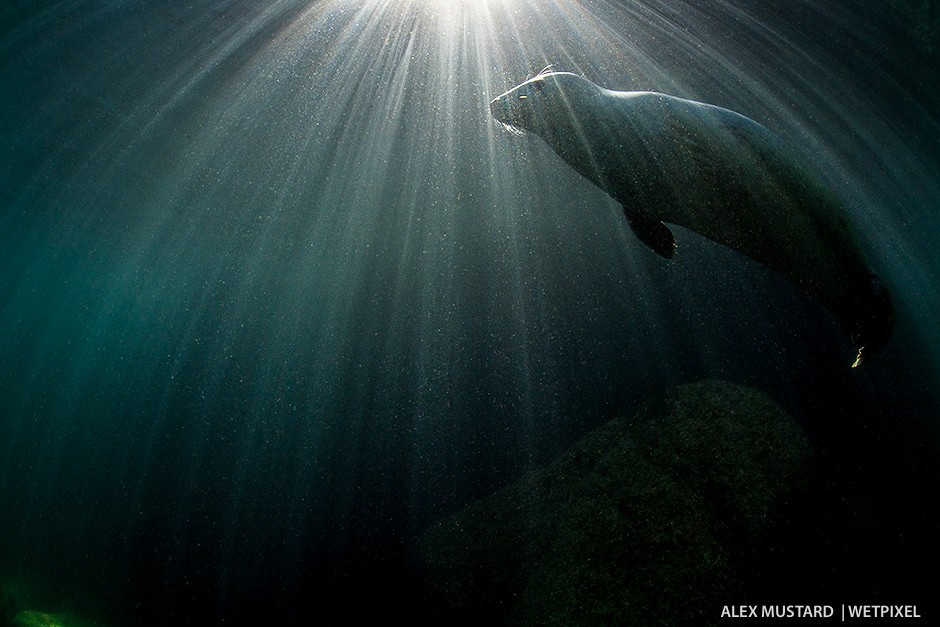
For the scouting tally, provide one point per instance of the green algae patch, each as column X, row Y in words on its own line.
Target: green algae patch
column 32, row 618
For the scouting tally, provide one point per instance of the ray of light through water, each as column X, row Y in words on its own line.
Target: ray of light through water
column 272, row 280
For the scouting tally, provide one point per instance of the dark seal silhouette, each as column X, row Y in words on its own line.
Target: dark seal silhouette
column 716, row 172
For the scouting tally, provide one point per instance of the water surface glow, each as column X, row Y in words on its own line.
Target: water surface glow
column 276, row 290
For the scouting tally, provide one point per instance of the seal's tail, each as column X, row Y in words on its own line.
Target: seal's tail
column 870, row 319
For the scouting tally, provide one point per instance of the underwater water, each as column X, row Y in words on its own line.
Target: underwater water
column 277, row 293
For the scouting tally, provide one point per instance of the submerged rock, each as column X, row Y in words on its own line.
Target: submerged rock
column 649, row 521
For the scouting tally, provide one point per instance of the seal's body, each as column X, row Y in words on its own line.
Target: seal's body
column 713, row 171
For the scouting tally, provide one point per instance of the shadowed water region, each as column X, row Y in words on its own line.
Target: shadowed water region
column 277, row 293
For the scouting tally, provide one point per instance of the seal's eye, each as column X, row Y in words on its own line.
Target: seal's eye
column 534, row 87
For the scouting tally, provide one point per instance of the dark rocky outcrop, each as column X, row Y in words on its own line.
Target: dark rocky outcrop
column 649, row 521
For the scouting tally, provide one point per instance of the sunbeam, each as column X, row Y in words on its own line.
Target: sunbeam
column 278, row 292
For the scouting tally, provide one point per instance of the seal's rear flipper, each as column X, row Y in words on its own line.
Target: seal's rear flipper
column 869, row 317
column 654, row 234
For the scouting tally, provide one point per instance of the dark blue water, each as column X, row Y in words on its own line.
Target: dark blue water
column 277, row 293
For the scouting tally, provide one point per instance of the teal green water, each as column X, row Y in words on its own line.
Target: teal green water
column 276, row 291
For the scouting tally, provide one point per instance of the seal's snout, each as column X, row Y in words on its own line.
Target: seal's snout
column 498, row 109
column 504, row 110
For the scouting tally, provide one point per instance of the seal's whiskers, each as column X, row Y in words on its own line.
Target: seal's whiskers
column 518, row 132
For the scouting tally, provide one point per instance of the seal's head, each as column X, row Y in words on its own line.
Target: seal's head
column 543, row 102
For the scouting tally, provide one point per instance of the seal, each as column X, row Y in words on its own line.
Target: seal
column 713, row 171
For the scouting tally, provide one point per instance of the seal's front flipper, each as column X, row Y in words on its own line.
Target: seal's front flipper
column 654, row 234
